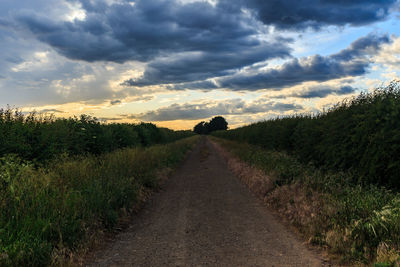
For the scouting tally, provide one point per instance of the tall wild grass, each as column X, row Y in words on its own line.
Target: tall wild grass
column 48, row 212
column 360, row 223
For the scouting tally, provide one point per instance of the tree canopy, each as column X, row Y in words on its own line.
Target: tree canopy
column 215, row 124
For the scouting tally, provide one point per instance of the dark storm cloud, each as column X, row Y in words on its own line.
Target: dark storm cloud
column 301, row 14
column 203, row 65
column 189, row 42
column 150, row 28
column 315, row 68
column 352, row 61
column 369, row 44
column 184, row 45
column 322, row 91
column 181, row 42
column 205, row 110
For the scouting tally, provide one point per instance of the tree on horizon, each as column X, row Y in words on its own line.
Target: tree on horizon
column 215, row 124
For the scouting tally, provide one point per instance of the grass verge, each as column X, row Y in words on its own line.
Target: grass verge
column 359, row 224
column 48, row 213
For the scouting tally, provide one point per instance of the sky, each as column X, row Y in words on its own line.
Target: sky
column 178, row 62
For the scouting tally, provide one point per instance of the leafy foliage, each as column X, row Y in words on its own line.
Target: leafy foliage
column 352, row 220
column 38, row 137
column 217, row 123
column 45, row 210
column 361, row 135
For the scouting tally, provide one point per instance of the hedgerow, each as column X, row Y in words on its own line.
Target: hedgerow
column 47, row 213
column 360, row 135
column 39, row 138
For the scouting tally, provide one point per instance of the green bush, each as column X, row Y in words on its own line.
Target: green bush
column 382, row 226
column 361, row 135
column 40, row 138
column 43, row 210
column 360, row 218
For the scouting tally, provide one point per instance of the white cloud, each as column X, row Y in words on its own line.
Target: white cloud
column 389, row 55
column 75, row 12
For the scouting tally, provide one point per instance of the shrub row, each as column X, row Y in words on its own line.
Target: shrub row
column 42, row 137
column 360, row 135
column 47, row 211
column 360, row 223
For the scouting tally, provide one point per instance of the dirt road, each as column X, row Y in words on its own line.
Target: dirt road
column 205, row 217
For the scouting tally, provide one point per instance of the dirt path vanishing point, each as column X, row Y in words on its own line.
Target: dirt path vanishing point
column 204, row 216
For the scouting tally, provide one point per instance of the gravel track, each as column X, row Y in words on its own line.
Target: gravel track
column 204, row 216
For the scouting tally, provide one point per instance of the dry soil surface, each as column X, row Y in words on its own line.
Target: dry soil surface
column 204, row 216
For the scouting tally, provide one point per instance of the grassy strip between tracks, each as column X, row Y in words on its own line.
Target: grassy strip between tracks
column 359, row 224
column 48, row 213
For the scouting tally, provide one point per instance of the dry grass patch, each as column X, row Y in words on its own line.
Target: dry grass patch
column 306, row 209
column 258, row 182
column 357, row 224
